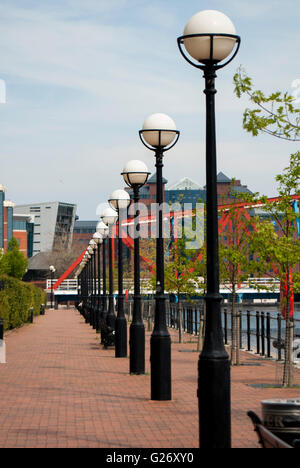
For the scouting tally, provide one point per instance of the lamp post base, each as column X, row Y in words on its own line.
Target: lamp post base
column 121, row 337
column 111, row 318
column 137, row 349
column 214, row 402
column 160, row 356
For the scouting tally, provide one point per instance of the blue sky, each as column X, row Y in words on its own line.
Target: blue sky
column 82, row 75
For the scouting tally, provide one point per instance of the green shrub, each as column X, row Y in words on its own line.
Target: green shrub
column 16, row 299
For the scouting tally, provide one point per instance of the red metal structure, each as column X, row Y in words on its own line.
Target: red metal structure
column 224, row 220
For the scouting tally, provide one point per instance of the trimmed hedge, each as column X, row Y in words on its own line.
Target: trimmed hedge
column 16, row 299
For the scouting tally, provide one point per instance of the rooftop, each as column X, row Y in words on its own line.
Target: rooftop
column 185, row 184
column 152, row 180
column 223, row 179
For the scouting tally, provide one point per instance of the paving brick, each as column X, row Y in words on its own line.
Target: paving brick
column 59, row 388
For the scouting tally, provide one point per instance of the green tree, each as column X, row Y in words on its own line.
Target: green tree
column 277, row 246
column 236, row 264
column 274, row 114
column 13, row 263
column 182, row 275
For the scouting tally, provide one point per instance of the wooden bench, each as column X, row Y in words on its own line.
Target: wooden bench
column 107, row 334
column 266, row 438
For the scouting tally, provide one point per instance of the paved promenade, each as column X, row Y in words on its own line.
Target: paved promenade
column 60, row 389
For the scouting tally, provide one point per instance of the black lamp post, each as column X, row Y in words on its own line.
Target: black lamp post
column 109, row 217
column 120, row 200
column 103, row 230
column 97, row 237
column 86, row 287
column 90, row 285
column 159, row 134
column 52, row 271
column 136, row 174
column 209, row 38
column 93, row 245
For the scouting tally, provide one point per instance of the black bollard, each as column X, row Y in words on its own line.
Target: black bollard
column 1, row 329
column 31, row 315
column 248, row 330
column 262, row 317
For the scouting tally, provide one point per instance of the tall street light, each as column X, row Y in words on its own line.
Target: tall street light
column 209, row 39
column 136, row 174
column 93, row 245
column 120, row 200
column 97, row 237
column 159, row 134
column 83, row 282
column 52, row 271
column 109, row 217
column 103, row 230
column 91, row 285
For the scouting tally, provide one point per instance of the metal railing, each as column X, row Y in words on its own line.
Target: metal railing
column 260, row 332
column 66, row 285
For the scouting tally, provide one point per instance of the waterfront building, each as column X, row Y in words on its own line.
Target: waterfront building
column 53, row 224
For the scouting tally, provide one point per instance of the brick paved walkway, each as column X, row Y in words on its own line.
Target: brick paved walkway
column 60, row 389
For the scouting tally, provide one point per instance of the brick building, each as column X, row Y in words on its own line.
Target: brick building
column 148, row 191
column 83, row 232
column 228, row 189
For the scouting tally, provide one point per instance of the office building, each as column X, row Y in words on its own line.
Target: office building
column 53, row 224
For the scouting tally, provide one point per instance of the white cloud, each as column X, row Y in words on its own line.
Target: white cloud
column 82, row 76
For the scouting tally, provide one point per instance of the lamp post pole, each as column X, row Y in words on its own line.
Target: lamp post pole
column 137, row 327
column 158, row 134
column 89, row 289
column 95, row 308
column 135, row 175
column 121, row 322
column 209, row 38
column 98, row 239
column 160, row 338
column 86, row 293
column 111, row 318
column 119, row 201
column 104, row 295
column 92, row 249
column 103, row 230
column 99, row 302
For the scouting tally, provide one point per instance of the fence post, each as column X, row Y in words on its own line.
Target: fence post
column 262, row 334
column 257, row 334
column 248, row 330
column 1, row 329
column 240, row 321
column 279, row 318
column 268, row 334
column 226, row 326
column 150, row 317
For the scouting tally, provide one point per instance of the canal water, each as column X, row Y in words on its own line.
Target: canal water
column 274, row 311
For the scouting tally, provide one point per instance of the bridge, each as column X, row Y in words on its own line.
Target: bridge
column 68, row 290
